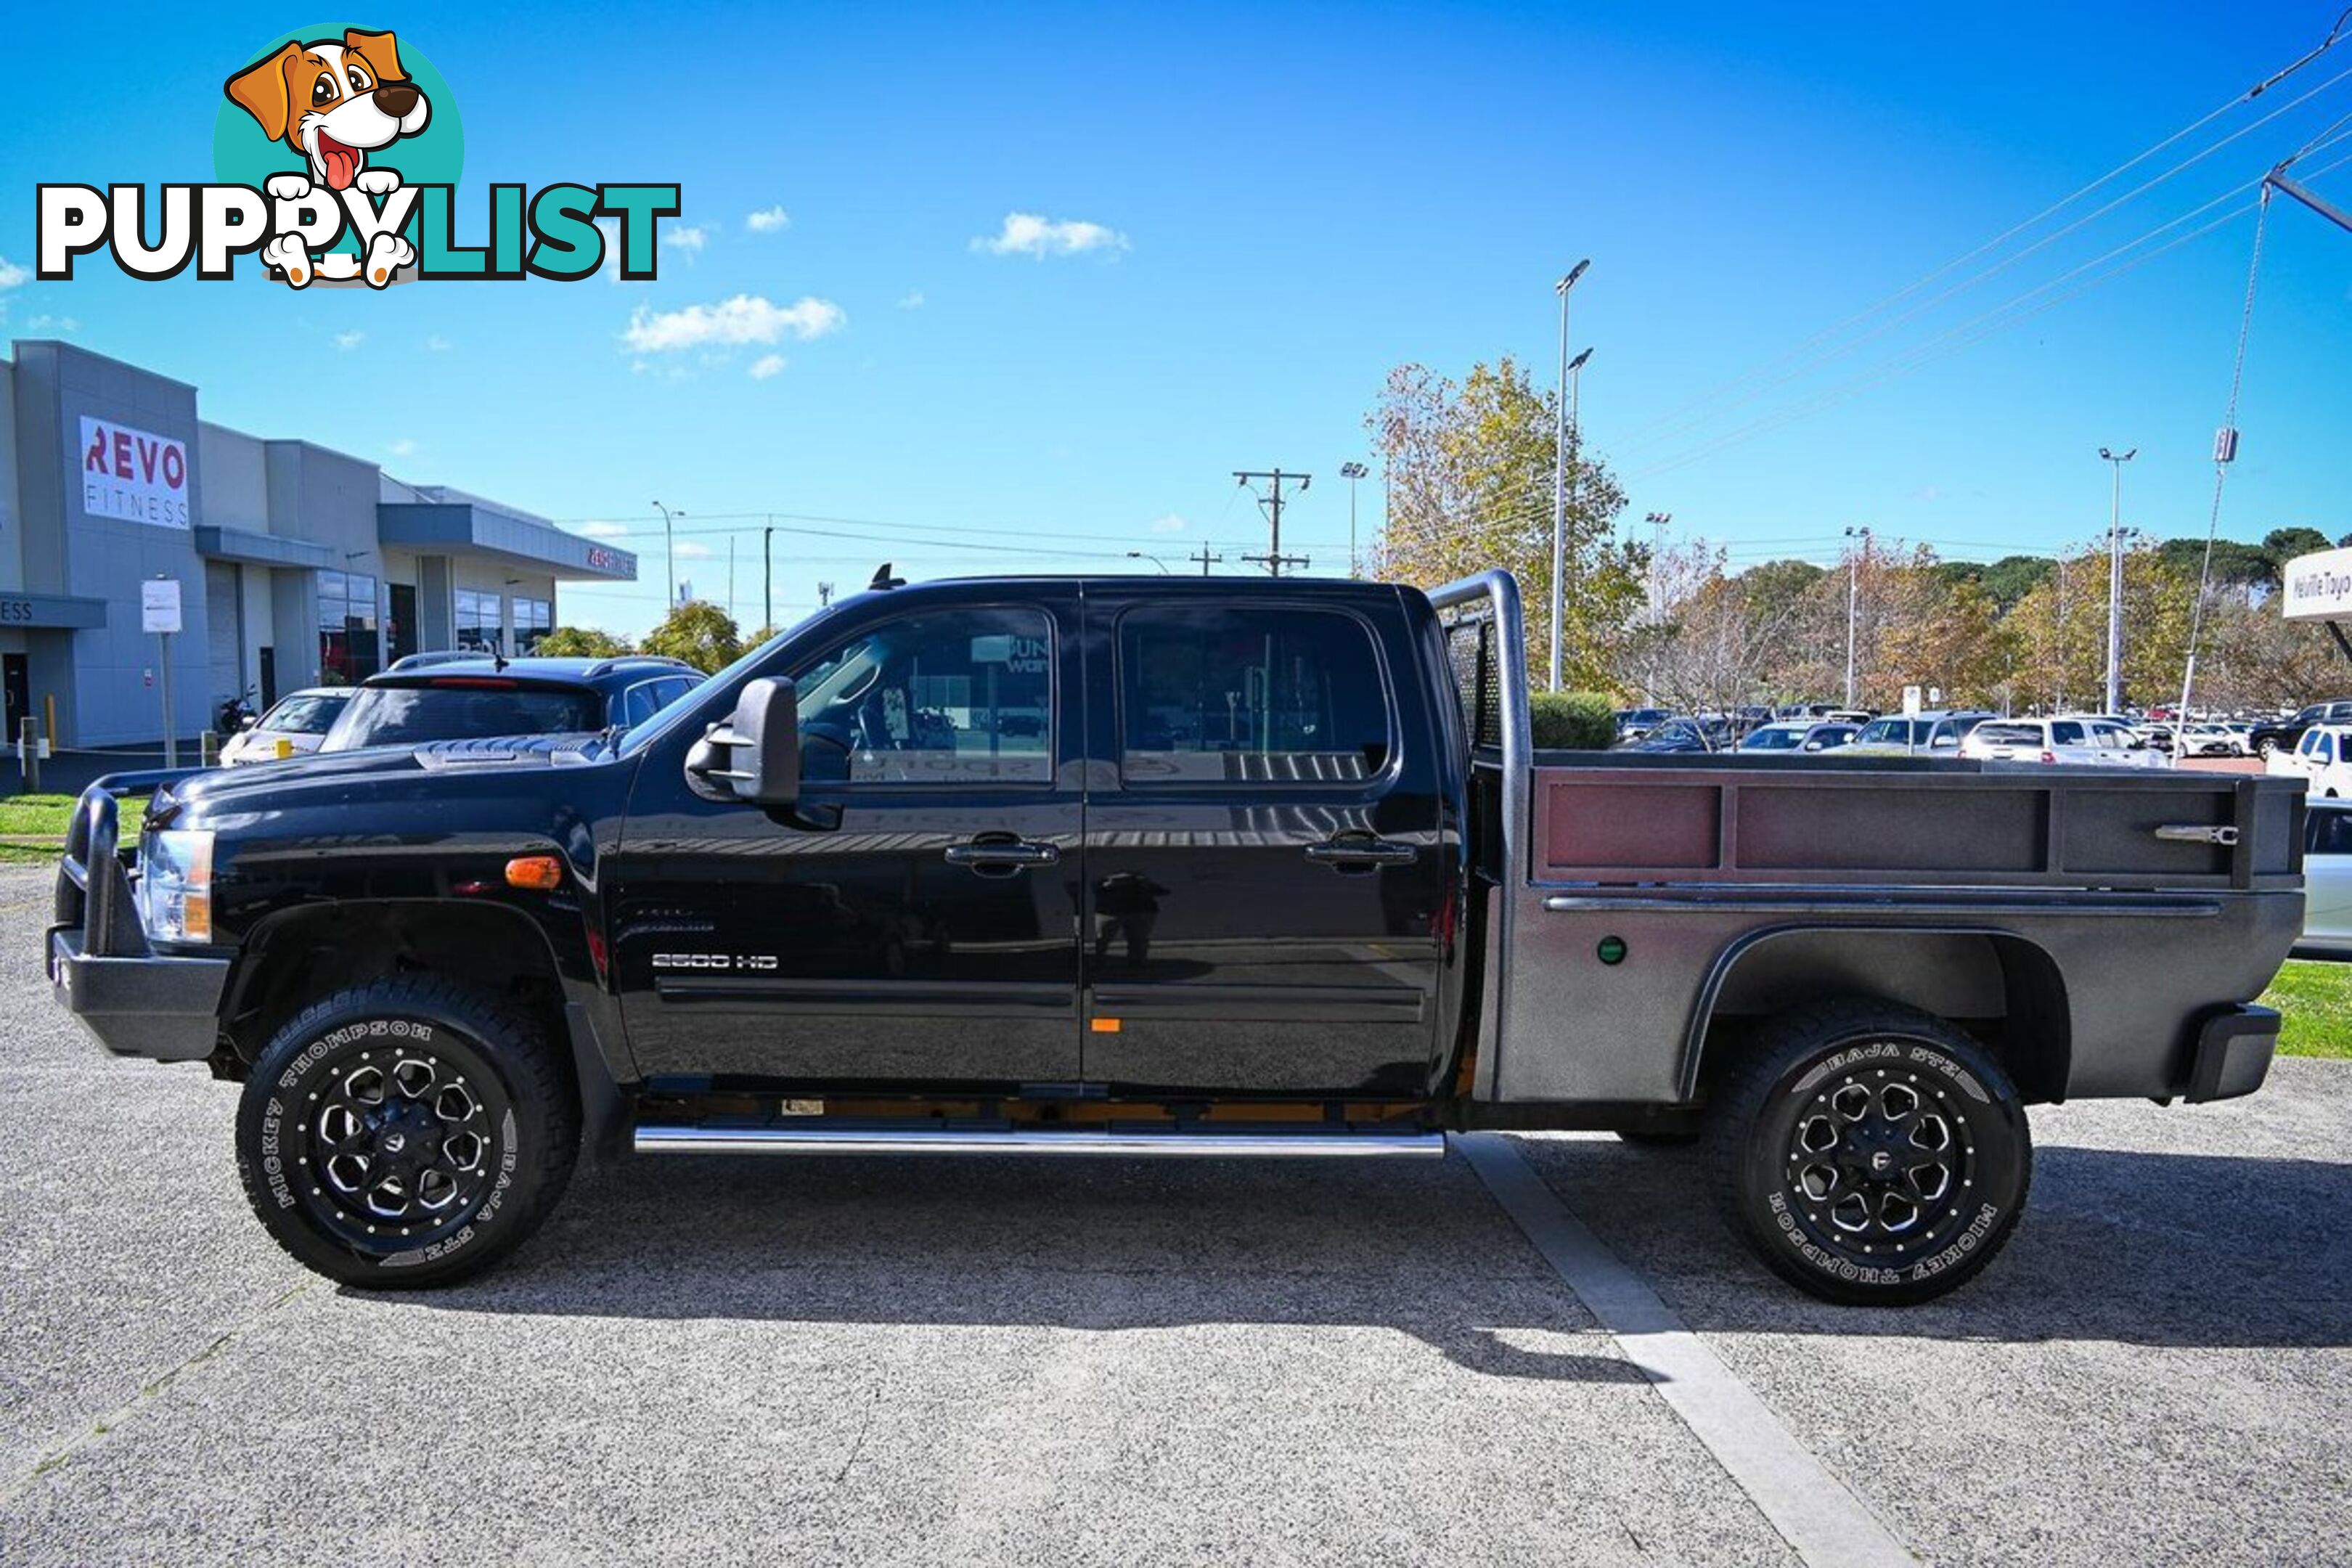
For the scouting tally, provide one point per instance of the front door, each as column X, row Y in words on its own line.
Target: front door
column 914, row 920
column 1265, row 876
column 16, row 681
column 400, row 636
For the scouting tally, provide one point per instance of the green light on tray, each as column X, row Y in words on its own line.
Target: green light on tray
column 1611, row 950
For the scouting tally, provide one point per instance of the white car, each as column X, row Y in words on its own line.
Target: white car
column 2326, row 882
column 2083, row 740
column 2324, row 756
column 292, row 728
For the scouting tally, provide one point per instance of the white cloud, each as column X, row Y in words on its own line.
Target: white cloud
column 768, row 220
column 403, row 447
column 603, row 530
column 745, row 319
column 692, row 550
column 911, row 300
column 766, row 366
column 349, row 340
column 688, row 238
column 1027, row 234
column 1172, row 523
column 436, row 343
column 52, row 324
column 12, row 275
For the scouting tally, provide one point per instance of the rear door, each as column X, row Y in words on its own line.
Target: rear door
column 1266, row 856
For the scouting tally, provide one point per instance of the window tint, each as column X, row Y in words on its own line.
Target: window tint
column 2327, row 832
column 1221, row 693
column 956, row 697
column 410, row 715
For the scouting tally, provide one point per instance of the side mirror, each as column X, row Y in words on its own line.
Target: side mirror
column 755, row 756
column 250, row 721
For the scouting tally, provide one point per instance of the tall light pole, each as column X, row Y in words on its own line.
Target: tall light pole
column 2116, row 460
column 1351, row 472
column 1146, row 555
column 768, row 576
column 1657, row 520
column 1852, row 602
column 1560, row 473
column 669, row 558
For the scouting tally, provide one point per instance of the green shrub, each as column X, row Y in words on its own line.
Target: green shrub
column 1573, row 720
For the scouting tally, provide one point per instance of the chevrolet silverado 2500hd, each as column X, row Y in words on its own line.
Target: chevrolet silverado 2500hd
column 1164, row 866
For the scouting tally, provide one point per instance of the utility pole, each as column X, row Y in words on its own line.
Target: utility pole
column 1274, row 560
column 768, row 574
column 1560, row 472
column 1204, row 558
column 1854, row 603
column 731, row 576
column 2115, row 461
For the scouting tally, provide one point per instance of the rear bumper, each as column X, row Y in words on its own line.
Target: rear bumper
column 2234, row 1054
column 166, row 1009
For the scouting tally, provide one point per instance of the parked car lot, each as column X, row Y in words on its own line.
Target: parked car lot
column 875, row 1360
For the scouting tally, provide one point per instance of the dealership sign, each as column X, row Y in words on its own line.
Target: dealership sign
column 134, row 476
column 2318, row 585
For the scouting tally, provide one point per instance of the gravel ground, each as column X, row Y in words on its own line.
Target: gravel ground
column 1068, row 1363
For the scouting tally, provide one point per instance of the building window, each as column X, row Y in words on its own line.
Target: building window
column 348, row 651
column 477, row 621
column 533, row 619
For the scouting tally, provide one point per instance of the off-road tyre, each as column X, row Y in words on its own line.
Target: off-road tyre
column 1868, row 1152
column 406, row 1134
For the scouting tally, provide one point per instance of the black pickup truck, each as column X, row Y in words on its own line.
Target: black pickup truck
column 1115, row 865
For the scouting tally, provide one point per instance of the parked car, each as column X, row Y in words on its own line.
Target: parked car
column 2201, row 739
column 1632, row 724
column 2080, row 740
column 2271, row 735
column 294, row 726
column 482, row 697
column 1896, row 735
column 2326, row 881
column 2323, row 757
column 1673, row 735
column 1798, row 735
column 1338, row 913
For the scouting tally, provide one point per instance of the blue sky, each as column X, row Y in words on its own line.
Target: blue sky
column 1300, row 196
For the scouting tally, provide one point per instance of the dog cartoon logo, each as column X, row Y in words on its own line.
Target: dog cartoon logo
column 334, row 102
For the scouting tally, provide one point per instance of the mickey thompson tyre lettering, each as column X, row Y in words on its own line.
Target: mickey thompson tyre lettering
column 407, row 1132
column 1869, row 1153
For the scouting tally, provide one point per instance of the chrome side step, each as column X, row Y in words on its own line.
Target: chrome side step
column 698, row 1140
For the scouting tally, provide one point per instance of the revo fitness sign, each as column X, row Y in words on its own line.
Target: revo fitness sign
column 135, row 476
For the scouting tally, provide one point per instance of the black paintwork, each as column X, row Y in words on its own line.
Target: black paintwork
column 1185, row 943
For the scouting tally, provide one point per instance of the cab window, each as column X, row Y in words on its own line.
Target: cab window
column 955, row 696
column 2066, row 733
column 1227, row 694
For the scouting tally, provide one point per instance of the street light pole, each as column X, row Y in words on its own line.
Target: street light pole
column 669, row 559
column 1560, row 473
column 1852, row 604
column 1351, row 472
column 768, row 576
column 1146, row 555
column 2115, row 461
column 1657, row 520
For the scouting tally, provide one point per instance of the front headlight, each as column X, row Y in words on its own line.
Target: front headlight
column 175, row 885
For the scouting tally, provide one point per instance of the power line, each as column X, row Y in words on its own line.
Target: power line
column 1274, row 560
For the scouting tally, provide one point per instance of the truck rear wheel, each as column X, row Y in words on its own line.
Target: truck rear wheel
column 406, row 1134
column 1870, row 1153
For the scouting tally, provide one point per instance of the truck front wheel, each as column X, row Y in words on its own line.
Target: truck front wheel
column 1870, row 1153
column 406, row 1134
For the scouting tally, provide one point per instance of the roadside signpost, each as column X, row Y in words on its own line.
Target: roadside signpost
column 159, row 611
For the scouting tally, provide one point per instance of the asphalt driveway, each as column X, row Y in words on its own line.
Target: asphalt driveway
column 1272, row 1362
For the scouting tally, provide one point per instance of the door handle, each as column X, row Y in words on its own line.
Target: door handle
column 1362, row 851
column 1002, row 854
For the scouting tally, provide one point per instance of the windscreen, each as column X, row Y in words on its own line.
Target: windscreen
column 303, row 716
column 411, row 715
column 1772, row 738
